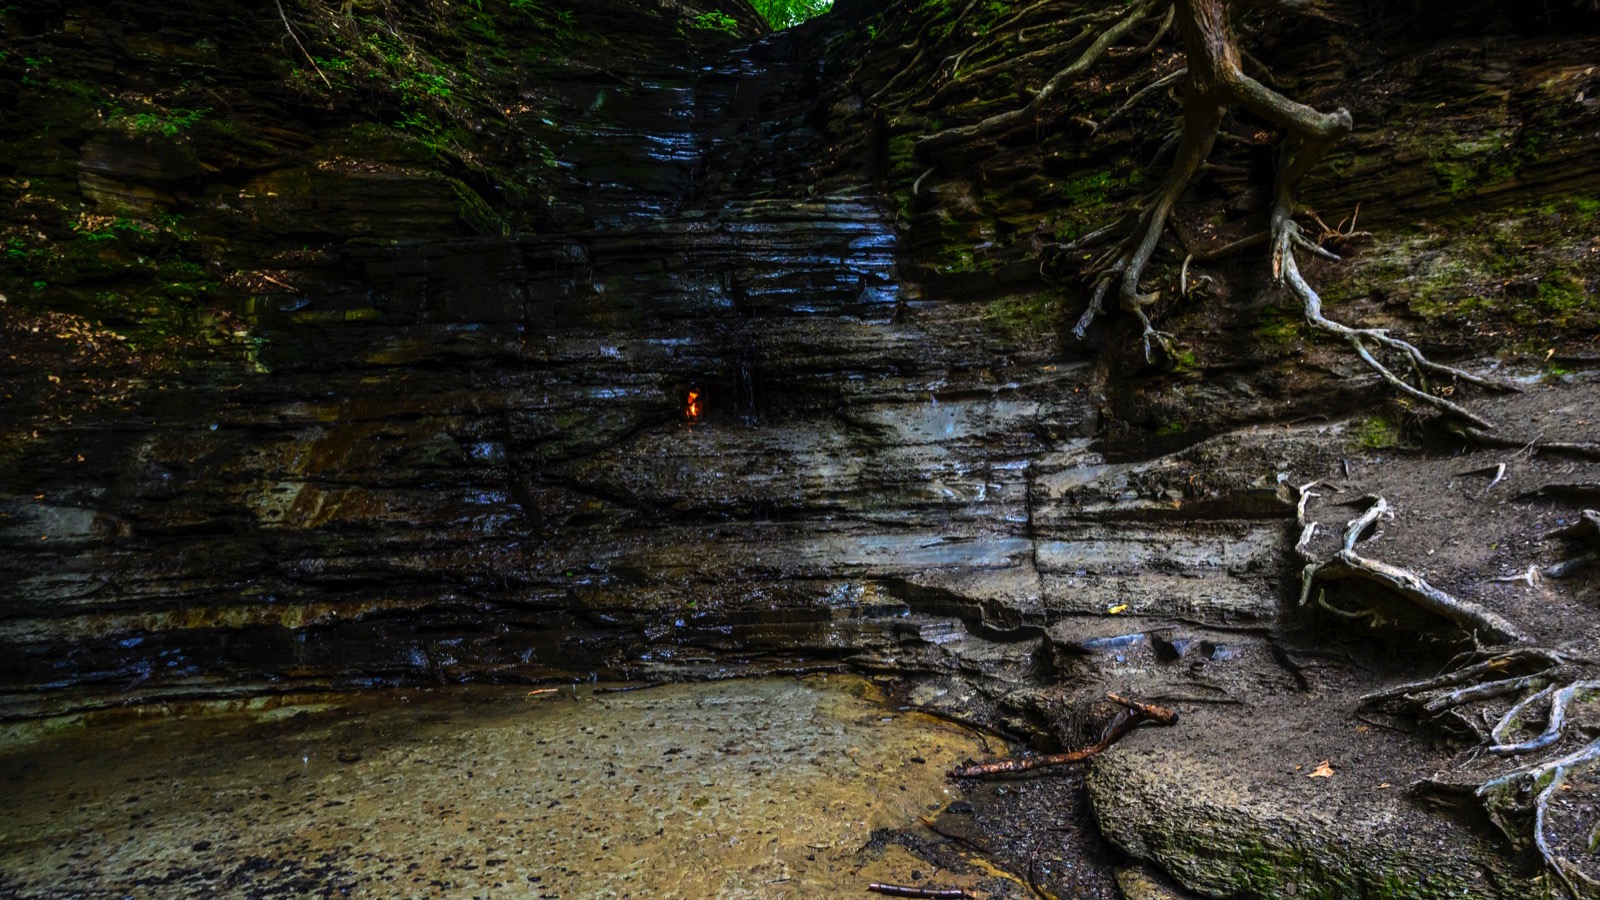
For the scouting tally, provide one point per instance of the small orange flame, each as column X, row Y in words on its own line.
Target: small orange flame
column 691, row 406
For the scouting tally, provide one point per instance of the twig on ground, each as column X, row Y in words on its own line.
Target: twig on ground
column 1133, row 714
column 1498, row 469
column 902, row 890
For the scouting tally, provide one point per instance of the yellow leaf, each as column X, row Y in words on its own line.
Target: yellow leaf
column 1118, row 608
column 1323, row 770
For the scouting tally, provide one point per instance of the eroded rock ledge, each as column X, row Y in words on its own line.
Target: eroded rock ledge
column 367, row 408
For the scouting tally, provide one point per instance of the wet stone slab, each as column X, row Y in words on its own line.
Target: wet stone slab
column 738, row 789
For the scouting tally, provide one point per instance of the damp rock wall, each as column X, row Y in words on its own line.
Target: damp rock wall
column 366, row 357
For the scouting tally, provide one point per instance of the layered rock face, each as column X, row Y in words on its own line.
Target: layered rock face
column 633, row 364
column 370, row 345
column 434, row 454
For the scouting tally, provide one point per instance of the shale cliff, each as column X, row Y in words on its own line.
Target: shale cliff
column 402, row 343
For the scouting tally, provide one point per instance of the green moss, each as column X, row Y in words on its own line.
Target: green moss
column 1279, row 326
column 1024, row 315
column 1376, row 433
column 156, row 120
column 1525, row 267
column 1086, row 200
column 1273, row 870
column 1564, row 297
column 1185, row 362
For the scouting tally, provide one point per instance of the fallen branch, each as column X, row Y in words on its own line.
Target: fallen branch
column 901, row 890
column 1133, row 714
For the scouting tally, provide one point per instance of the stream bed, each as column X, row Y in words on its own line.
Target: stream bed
column 754, row 788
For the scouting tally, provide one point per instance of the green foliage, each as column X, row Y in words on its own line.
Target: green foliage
column 784, row 13
column 165, row 122
column 108, row 231
column 717, row 21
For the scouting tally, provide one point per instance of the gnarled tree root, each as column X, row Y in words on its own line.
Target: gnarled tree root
column 1586, row 533
column 1517, row 801
column 1514, row 798
column 1215, row 81
column 1472, row 618
column 1403, row 583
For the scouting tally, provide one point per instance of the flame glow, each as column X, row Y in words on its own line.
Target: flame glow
column 691, row 405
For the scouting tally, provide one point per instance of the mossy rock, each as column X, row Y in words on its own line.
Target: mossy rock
column 1222, row 829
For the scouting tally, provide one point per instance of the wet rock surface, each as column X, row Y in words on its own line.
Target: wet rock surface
column 760, row 788
column 681, row 365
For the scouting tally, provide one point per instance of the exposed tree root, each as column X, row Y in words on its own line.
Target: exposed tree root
column 1517, row 801
column 1513, row 798
column 1215, row 82
column 923, row 45
column 1472, row 618
column 1403, row 583
column 1586, row 533
column 1001, row 121
column 1575, row 449
column 1587, row 491
column 956, row 80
